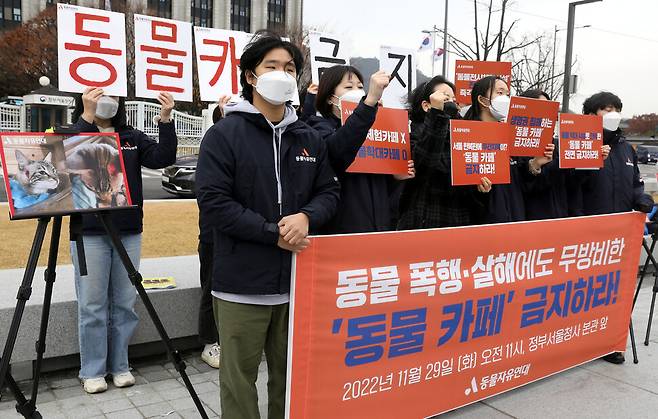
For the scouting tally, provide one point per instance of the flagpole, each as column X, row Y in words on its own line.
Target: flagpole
column 445, row 43
column 433, row 48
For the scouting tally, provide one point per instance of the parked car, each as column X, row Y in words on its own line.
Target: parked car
column 647, row 154
column 178, row 179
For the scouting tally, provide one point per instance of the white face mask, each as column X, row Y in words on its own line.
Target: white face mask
column 276, row 87
column 499, row 107
column 611, row 121
column 353, row 95
column 106, row 108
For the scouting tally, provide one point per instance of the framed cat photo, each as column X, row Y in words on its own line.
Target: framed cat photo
column 54, row 174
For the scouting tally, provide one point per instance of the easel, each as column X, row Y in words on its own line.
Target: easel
column 653, row 228
column 26, row 407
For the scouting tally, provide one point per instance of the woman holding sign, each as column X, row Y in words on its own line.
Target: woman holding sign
column 365, row 204
column 106, row 297
column 490, row 103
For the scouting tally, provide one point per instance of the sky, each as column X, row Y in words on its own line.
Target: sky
column 618, row 52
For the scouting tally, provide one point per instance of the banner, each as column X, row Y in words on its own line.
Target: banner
column 163, row 58
column 326, row 51
column 581, row 139
column 91, row 50
column 417, row 323
column 468, row 72
column 400, row 63
column 386, row 147
column 533, row 122
column 218, row 53
column 479, row 149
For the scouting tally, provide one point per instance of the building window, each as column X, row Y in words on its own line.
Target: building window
column 10, row 14
column 160, row 8
column 276, row 15
column 241, row 15
column 202, row 13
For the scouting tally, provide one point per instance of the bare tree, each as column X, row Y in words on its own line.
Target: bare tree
column 532, row 68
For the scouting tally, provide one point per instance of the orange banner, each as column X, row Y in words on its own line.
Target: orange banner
column 533, row 123
column 386, row 149
column 479, row 149
column 468, row 72
column 417, row 323
column 581, row 139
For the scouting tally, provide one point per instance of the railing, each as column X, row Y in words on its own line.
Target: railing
column 10, row 118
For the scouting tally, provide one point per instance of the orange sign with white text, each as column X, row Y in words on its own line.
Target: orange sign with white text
column 468, row 72
column 581, row 139
column 533, row 123
column 479, row 149
column 417, row 323
column 386, row 149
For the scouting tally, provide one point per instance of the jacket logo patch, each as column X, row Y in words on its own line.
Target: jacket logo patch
column 128, row 147
column 305, row 156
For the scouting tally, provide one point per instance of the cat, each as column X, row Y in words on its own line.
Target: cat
column 36, row 177
column 99, row 168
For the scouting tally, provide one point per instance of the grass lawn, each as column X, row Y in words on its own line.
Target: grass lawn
column 170, row 229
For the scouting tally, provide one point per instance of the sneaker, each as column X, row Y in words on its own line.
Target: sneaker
column 125, row 379
column 94, row 385
column 210, row 355
column 615, row 358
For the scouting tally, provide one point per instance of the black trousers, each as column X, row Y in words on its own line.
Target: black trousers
column 207, row 328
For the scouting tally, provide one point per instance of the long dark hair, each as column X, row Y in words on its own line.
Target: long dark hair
column 481, row 87
column 119, row 120
column 331, row 78
column 422, row 93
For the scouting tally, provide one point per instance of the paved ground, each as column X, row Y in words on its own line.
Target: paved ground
column 594, row 390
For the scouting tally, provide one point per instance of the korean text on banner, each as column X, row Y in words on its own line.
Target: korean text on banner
column 400, row 63
column 479, row 149
column 326, row 51
column 163, row 58
column 581, row 139
column 533, row 123
column 417, row 323
column 468, row 72
column 91, row 50
column 218, row 53
column 386, row 149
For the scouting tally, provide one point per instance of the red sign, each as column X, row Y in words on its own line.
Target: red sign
column 533, row 123
column 386, row 149
column 477, row 150
column 427, row 321
column 468, row 72
column 581, row 139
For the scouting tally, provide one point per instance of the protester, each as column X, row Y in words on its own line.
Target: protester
column 365, row 198
column 429, row 200
column 207, row 327
column 490, row 103
column 261, row 200
column 106, row 296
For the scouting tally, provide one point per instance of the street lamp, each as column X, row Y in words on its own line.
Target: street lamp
column 569, row 53
column 554, row 53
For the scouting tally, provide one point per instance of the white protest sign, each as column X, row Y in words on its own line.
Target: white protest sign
column 218, row 53
column 400, row 63
column 163, row 58
column 91, row 50
column 326, row 51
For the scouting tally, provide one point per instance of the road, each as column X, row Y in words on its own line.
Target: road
column 150, row 180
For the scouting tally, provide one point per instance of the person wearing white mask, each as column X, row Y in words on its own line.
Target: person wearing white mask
column 263, row 183
column 365, row 201
column 106, row 297
column 490, row 102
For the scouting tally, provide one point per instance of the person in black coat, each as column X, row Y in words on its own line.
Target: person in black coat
column 106, row 296
column 490, row 103
column 365, row 198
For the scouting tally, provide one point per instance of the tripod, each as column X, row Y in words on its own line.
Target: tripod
column 653, row 228
column 26, row 407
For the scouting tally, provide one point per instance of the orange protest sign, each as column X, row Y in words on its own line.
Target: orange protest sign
column 477, row 150
column 581, row 139
column 417, row 323
column 468, row 72
column 533, row 123
column 386, row 149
